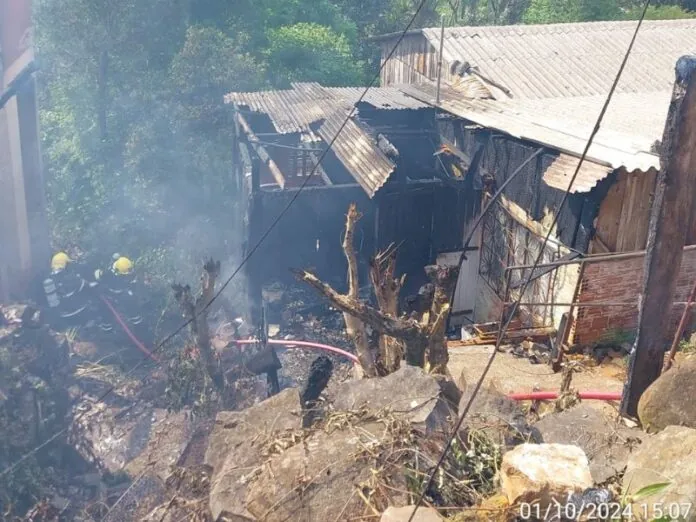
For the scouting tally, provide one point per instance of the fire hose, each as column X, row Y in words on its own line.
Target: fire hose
column 307, row 345
column 125, row 328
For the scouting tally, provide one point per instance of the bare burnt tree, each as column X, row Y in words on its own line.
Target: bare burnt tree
column 422, row 339
column 196, row 311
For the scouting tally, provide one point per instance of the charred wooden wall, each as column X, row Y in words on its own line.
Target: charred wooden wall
column 514, row 229
column 622, row 220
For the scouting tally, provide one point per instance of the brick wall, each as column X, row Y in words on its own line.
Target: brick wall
column 621, row 281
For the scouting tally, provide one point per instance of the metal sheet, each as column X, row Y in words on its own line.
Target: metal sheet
column 294, row 110
column 577, row 59
column 356, row 150
column 299, row 109
column 565, row 124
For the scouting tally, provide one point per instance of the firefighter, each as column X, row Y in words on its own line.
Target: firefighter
column 117, row 284
column 66, row 291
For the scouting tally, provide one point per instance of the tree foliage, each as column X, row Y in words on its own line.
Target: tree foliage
column 311, row 52
column 135, row 136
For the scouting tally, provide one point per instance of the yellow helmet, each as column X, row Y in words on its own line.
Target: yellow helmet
column 60, row 261
column 122, row 266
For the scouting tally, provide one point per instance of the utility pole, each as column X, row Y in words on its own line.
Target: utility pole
column 670, row 220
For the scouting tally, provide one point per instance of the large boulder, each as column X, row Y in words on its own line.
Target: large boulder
column 238, row 444
column 317, row 479
column 669, row 400
column 602, row 440
column 422, row 398
column 544, row 473
column 665, row 458
column 125, row 437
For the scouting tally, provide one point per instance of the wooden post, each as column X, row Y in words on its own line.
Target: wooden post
column 670, row 218
column 254, row 272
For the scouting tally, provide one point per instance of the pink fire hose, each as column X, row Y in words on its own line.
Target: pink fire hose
column 530, row 396
column 132, row 337
column 305, row 344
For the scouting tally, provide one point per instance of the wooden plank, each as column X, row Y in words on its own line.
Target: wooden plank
column 609, row 214
column 642, row 210
column 624, row 235
column 261, row 151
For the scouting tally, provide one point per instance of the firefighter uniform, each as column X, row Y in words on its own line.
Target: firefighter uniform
column 66, row 290
column 118, row 286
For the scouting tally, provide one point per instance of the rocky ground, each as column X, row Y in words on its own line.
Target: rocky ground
column 128, row 458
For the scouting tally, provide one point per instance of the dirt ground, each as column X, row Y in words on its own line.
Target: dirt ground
column 510, row 374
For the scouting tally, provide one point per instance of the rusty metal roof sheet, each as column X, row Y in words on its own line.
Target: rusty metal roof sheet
column 296, row 110
column 633, row 122
column 358, row 152
column 577, row 59
column 559, row 173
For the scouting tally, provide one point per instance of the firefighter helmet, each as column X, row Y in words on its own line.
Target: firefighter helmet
column 60, row 261
column 122, row 266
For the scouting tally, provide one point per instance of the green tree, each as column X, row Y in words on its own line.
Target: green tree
column 311, row 52
column 563, row 11
column 660, row 12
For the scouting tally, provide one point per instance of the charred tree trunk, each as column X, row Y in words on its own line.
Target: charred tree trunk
column 444, row 279
column 387, row 289
column 354, row 326
column 196, row 312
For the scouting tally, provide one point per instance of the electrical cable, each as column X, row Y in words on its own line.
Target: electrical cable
column 511, row 313
column 251, row 252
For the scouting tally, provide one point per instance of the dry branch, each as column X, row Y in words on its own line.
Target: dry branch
column 354, row 327
column 197, row 313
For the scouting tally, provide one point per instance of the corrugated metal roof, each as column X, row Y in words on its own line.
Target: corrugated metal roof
column 295, row 110
column 357, row 151
column 578, row 59
column 632, row 124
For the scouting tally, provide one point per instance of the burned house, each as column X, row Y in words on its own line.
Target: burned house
column 509, row 93
column 385, row 159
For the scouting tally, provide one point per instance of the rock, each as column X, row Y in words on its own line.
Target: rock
column 131, row 437
column 409, row 390
column 666, row 457
column 402, row 514
column 237, row 443
column 669, row 400
column 450, row 391
column 545, row 473
column 603, row 441
column 138, row 499
column 499, row 417
column 315, row 480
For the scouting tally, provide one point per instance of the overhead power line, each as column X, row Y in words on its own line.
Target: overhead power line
column 510, row 314
column 251, row 252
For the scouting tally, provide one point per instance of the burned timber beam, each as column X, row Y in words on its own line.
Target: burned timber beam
column 670, row 218
column 316, row 165
column 261, row 152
